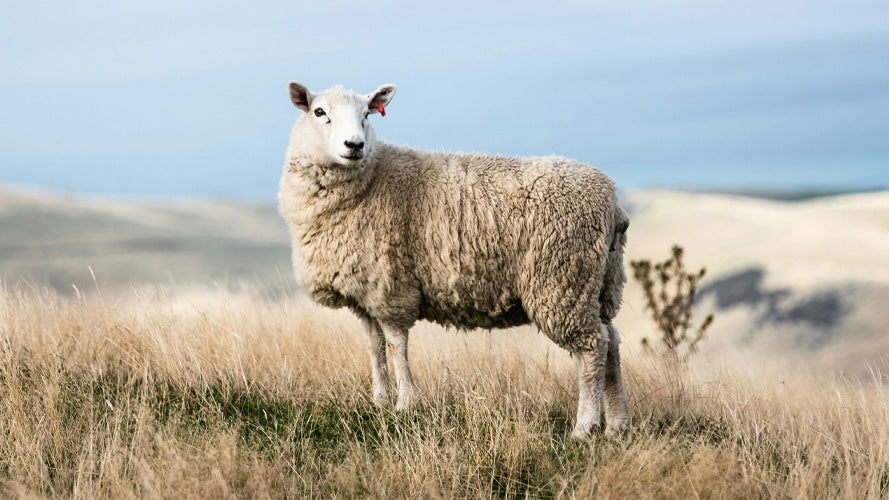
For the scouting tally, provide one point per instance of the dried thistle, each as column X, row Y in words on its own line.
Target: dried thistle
column 669, row 295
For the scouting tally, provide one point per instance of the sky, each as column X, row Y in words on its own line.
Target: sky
column 171, row 98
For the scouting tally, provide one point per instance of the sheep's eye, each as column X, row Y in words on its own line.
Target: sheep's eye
column 319, row 112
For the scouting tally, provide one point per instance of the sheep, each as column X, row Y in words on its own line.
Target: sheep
column 467, row 240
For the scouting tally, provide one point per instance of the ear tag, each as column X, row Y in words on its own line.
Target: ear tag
column 380, row 107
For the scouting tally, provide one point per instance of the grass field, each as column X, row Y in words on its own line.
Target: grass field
column 223, row 394
column 817, row 271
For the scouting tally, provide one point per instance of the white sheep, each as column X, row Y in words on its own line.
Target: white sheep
column 473, row 241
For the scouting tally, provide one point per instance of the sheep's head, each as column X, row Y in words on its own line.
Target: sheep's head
column 335, row 128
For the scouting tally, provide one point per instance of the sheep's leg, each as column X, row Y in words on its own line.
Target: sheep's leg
column 591, row 381
column 407, row 389
column 617, row 409
column 376, row 343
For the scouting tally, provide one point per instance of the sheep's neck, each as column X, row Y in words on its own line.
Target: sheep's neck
column 321, row 188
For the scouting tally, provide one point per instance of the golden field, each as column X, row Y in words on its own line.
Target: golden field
column 162, row 350
column 154, row 393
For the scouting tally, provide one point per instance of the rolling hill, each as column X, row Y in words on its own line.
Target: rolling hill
column 54, row 240
column 807, row 278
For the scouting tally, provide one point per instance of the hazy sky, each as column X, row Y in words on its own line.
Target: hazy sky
column 189, row 98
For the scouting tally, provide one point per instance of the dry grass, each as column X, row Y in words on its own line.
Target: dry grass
column 217, row 395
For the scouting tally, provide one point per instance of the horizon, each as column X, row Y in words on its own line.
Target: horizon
column 189, row 101
column 787, row 195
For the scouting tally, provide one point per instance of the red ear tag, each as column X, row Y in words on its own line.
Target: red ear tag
column 380, row 107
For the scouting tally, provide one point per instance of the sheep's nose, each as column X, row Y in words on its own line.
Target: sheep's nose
column 354, row 144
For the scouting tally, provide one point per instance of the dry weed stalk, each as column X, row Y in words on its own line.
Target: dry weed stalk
column 669, row 295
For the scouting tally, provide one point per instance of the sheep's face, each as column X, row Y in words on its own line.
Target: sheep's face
column 335, row 127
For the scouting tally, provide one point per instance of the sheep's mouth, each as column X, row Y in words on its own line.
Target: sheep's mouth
column 353, row 156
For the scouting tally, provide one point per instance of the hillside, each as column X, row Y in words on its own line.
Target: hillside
column 196, row 390
column 808, row 277
column 784, row 278
column 231, row 396
column 53, row 240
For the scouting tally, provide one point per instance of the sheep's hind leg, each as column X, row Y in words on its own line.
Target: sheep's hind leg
column 591, row 381
column 376, row 343
column 617, row 409
column 407, row 389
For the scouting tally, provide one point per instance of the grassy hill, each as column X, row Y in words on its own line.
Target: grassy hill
column 224, row 395
column 176, row 381
column 54, row 240
column 805, row 277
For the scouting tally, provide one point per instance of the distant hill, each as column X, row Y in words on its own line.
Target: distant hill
column 784, row 194
column 53, row 240
column 809, row 277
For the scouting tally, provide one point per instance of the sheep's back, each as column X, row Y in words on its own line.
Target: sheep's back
column 482, row 230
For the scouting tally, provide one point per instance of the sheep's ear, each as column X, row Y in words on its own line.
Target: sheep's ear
column 379, row 99
column 300, row 95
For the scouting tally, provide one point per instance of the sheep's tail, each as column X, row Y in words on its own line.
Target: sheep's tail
column 613, row 283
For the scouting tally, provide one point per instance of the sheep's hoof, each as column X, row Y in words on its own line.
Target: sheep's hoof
column 618, row 430
column 583, row 433
column 407, row 400
column 381, row 400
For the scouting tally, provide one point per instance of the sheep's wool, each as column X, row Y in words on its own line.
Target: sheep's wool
column 463, row 240
column 466, row 240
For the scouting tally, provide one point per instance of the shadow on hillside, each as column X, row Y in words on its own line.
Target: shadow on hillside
column 820, row 313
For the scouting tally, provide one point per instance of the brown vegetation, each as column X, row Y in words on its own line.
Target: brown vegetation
column 216, row 395
column 669, row 291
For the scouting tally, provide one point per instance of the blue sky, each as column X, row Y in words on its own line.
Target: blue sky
column 189, row 98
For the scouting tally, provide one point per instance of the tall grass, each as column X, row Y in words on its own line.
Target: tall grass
column 230, row 395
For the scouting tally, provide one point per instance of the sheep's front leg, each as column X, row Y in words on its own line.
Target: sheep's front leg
column 407, row 389
column 591, row 381
column 376, row 343
column 617, row 409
